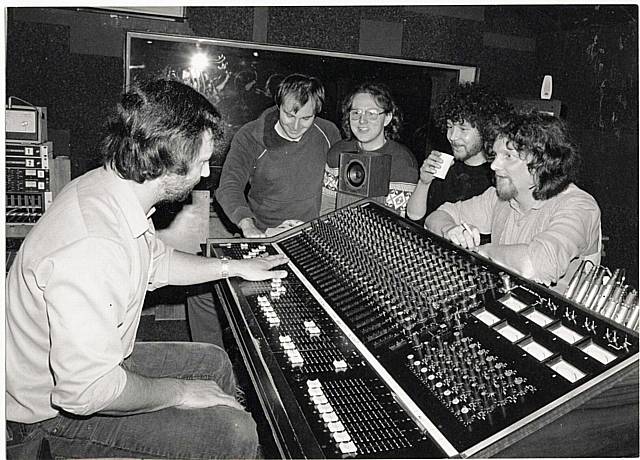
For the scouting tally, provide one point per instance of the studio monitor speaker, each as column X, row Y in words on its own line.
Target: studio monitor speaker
column 364, row 174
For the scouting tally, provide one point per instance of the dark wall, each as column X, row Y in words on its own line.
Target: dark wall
column 71, row 62
column 439, row 34
column 596, row 66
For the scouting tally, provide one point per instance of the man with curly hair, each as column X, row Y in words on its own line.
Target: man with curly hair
column 464, row 113
column 541, row 224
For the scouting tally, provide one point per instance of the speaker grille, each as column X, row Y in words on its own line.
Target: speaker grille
column 356, row 174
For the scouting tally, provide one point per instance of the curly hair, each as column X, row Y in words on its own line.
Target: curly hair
column 382, row 96
column 302, row 88
column 473, row 103
column 158, row 128
column 543, row 141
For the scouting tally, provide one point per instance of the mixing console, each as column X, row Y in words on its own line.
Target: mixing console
column 388, row 341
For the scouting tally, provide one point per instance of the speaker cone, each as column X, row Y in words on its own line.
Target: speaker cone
column 355, row 174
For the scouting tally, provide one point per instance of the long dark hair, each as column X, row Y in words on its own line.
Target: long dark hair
column 543, row 140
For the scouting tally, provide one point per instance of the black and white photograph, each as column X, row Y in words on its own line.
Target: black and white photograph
column 320, row 230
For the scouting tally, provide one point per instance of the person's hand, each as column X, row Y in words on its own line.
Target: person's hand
column 198, row 394
column 249, row 229
column 463, row 234
column 430, row 165
column 290, row 223
column 484, row 250
column 283, row 227
column 259, row 268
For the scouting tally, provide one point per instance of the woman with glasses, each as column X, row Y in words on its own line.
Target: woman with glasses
column 371, row 121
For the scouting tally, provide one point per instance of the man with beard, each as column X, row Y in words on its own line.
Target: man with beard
column 464, row 113
column 75, row 376
column 541, row 224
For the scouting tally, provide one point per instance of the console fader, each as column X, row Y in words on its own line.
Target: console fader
column 388, row 341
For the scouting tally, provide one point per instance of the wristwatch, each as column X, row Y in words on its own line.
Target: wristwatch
column 224, row 267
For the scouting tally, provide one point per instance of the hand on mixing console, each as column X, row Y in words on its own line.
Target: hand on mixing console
column 464, row 235
column 430, row 165
column 290, row 223
column 283, row 227
column 249, row 229
column 259, row 268
column 199, row 394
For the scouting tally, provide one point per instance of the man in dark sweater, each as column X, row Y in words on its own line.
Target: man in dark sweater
column 464, row 112
column 281, row 155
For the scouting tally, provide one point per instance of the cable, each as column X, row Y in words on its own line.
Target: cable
column 21, row 100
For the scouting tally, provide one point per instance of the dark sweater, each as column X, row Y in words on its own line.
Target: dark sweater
column 461, row 183
column 285, row 176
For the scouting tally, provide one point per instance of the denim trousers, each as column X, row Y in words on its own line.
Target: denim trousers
column 215, row 432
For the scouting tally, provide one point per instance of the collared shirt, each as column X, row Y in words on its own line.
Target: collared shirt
column 74, row 295
column 557, row 232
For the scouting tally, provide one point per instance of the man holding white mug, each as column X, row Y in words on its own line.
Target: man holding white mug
column 464, row 113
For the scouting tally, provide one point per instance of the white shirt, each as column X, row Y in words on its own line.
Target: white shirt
column 74, row 295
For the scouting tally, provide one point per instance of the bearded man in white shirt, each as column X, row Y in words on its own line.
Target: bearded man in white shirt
column 75, row 376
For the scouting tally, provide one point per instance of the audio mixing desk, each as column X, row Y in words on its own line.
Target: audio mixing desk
column 387, row 341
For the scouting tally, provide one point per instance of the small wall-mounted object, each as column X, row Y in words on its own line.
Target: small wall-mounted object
column 547, row 87
column 26, row 123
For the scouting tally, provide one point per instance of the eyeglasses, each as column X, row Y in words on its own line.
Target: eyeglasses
column 369, row 114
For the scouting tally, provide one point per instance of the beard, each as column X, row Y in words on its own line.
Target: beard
column 463, row 152
column 176, row 188
column 505, row 189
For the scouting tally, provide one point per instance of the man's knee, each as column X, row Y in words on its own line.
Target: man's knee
column 210, row 362
column 204, row 352
column 212, row 353
column 223, row 432
column 243, row 434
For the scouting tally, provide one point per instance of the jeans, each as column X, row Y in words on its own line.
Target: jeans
column 215, row 432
